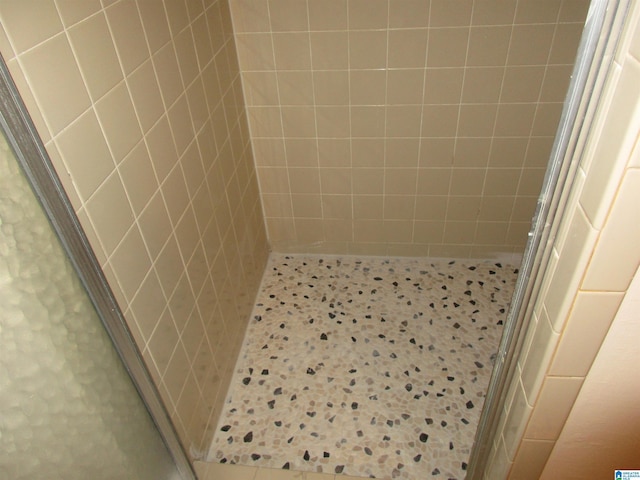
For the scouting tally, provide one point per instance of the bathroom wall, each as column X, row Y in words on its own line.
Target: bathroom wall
column 140, row 107
column 403, row 127
column 568, row 402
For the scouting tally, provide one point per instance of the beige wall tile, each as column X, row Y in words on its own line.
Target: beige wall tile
column 130, row 262
column 110, row 212
column 330, row 50
column 145, row 94
column 368, row 14
column 488, row 46
column 482, row 84
column 408, row 13
column 292, row 51
column 128, row 35
column 552, row 407
column 96, row 54
column 399, row 56
column 574, row 256
column 515, row 120
column 619, row 234
column 530, row 44
column 542, row 341
column 472, row 152
column 447, row 47
column 81, row 141
column 62, row 97
column 437, row 152
column 327, row 14
column 443, row 85
column 493, row 12
column 476, row 120
column 404, row 87
column 444, row 13
column 118, row 119
column 331, row 87
column 584, row 332
column 368, row 207
column 532, row 11
column 138, row 177
column 530, row 459
column 615, row 142
column 515, row 424
column 41, row 17
column 155, row 24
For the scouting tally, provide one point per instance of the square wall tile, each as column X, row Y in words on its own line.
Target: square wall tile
column 55, row 78
column 41, row 18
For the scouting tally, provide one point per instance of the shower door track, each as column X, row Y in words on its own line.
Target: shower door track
column 34, row 160
column 595, row 55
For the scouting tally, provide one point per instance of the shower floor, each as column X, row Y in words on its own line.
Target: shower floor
column 366, row 367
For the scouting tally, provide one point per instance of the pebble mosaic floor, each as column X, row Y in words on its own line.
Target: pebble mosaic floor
column 367, row 366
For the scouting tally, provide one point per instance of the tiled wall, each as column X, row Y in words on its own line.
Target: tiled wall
column 594, row 259
column 140, row 106
column 403, row 127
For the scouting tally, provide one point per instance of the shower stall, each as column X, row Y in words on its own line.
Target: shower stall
column 188, row 139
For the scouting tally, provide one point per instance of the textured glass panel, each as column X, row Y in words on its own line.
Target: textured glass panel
column 68, row 409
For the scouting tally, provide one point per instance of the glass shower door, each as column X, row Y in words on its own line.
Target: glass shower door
column 68, row 408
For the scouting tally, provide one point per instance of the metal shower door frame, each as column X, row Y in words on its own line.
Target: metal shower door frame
column 602, row 31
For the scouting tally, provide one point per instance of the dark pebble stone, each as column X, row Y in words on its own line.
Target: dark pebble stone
column 450, row 445
column 424, row 437
column 469, row 404
column 377, row 279
column 339, row 468
column 246, row 380
column 368, row 451
column 265, row 372
column 479, row 365
column 451, row 379
column 435, row 472
column 306, row 455
column 417, row 458
column 386, row 438
column 248, row 437
column 408, row 387
column 464, row 465
column 323, row 336
column 326, row 454
column 255, row 456
column 429, row 421
column 278, row 391
column 226, row 428
column 286, row 466
column 272, row 404
column 311, row 371
column 278, row 423
column 456, row 325
column 465, row 421
column 354, row 405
